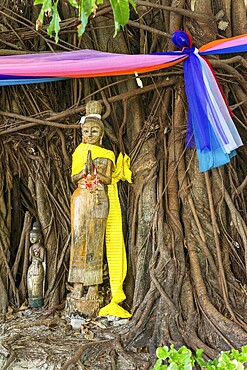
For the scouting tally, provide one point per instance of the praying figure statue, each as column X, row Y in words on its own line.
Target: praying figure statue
column 36, row 271
column 96, row 219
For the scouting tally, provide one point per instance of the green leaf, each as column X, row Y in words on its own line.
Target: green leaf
column 121, row 13
column 174, row 356
column 184, row 358
column 235, row 354
column 214, row 362
column 46, row 9
column 185, row 355
column 199, row 352
column 228, row 366
column 162, row 352
column 244, row 349
column 173, row 366
column 74, row 3
column 38, row 2
column 242, row 357
column 201, row 362
column 158, row 364
column 211, row 367
column 188, row 367
column 117, row 28
column 54, row 25
column 85, row 9
column 132, row 2
column 46, row 5
column 238, row 365
column 184, row 349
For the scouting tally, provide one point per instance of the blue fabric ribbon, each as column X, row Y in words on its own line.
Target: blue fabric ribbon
column 204, row 131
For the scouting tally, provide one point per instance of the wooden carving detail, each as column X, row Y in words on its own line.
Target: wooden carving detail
column 89, row 211
column 36, row 271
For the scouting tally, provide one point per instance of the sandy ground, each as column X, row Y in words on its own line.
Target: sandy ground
column 40, row 339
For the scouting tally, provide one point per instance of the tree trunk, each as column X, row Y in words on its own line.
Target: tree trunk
column 185, row 231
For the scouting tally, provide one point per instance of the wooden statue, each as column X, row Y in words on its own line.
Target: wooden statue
column 36, row 271
column 95, row 217
column 89, row 211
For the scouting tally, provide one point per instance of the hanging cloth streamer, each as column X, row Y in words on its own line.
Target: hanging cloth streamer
column 210, row 128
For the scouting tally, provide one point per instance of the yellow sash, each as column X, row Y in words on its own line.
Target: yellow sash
column 115, row 248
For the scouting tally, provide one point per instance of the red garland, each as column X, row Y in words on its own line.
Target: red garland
column 91, row 186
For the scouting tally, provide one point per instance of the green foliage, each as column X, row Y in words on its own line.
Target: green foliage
column 121, row 13
column 49, row 8
column 54, row 23
column 182, row 359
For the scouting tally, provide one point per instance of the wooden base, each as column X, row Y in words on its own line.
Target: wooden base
column 35, row 302
column 83, row 306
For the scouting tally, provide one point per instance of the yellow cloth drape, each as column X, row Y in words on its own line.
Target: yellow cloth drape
column 115, row 248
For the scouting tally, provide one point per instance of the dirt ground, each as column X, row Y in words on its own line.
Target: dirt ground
column 40, row 339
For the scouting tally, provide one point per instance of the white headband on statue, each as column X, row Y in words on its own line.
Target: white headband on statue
column 83, row 118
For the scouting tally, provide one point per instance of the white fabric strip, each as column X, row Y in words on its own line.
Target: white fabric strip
column 83, row 118
column 218, row 106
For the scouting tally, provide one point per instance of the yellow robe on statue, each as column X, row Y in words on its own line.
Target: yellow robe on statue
column 115, row 248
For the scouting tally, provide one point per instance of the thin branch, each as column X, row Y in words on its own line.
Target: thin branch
column 154, row 31
column 186, row 13
column 241, row 187
column 72, row 111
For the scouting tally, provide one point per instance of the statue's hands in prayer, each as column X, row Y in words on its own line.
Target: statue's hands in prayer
column 89, row 171
column 89, row 164
column 91, row 177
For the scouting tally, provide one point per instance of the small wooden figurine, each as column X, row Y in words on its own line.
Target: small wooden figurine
column 36, row 271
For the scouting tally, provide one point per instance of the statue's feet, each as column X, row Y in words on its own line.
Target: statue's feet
column 77, row 291
column 93, row 293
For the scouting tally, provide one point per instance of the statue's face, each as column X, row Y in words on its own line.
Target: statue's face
column 92, row 133
column 34, row 237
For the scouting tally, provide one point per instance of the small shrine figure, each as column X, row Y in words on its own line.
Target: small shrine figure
column 36, row 271
column 96, row 218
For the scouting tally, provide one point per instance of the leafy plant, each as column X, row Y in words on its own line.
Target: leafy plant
column 182, row 359
column 120, row 8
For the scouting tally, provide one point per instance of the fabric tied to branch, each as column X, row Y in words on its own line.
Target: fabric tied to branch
column 210, row 126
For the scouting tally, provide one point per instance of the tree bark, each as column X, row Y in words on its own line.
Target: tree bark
column 185, row 231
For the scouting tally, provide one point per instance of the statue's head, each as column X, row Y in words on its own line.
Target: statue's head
column 91, row 125
column 35, row 233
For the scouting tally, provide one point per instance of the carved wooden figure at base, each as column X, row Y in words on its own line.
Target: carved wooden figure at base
column 95, row 218
column 89, row 211
column 36, row 271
